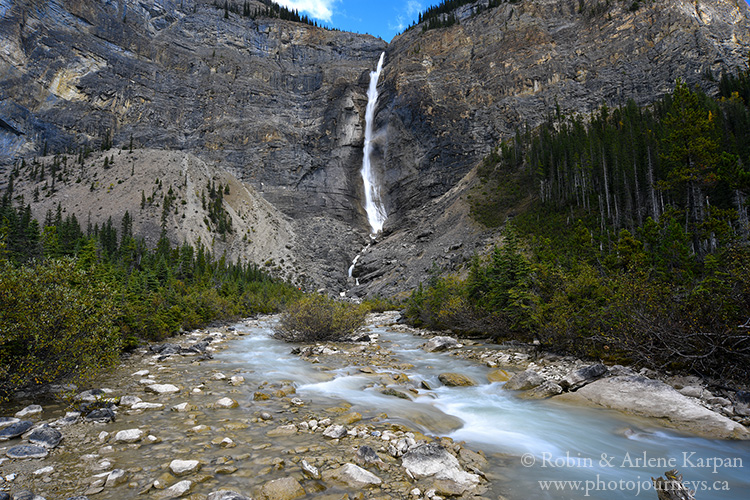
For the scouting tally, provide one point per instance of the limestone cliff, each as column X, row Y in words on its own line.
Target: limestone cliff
column 280, row 105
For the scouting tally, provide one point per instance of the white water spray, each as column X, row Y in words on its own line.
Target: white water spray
column 376, row 214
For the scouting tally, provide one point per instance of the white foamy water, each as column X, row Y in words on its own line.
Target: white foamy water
column 376, row 214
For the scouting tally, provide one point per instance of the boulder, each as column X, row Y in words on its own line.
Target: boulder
column 184, row 467
column 578, row 378
column 498, row 375
column 26, row 451
column 29, row 411
column 523, row 381
column 101, row 415
column 352, row 476
column 129, row 400
column 45, row 436
column 15, row 430
column 545, row 390
column 645, row 397
column 433, row 461
column 226, row 403
column 437, row 344
column 456, row 380
column 286, row 488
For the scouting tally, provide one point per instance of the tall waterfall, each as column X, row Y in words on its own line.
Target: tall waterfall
column 376, row 214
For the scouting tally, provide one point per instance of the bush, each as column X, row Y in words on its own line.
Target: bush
column 317, row 318
column 55, row 324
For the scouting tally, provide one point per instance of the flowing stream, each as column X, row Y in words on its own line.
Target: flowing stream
column 376, row 214
column 526, row 442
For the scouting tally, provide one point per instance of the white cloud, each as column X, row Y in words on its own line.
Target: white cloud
column 406, row 15
column 319, row 9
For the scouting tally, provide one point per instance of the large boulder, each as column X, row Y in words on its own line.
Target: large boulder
column 437, row 344
column 578, row 378
column 523, row 381
column 645, row 397
column 456, row 380
column 545, row 390
column 45, row 436
column 435, row 462
column 352, row 476
column 14, row 430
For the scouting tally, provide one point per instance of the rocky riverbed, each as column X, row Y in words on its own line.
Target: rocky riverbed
column 181, row 420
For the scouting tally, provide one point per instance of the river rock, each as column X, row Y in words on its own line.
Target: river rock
column 692, row 391
column 645, row 397
column 116, row 478
column 578, row 378
column 456, row 380
column 390, row 391
column 226, row 495
column 14, row 430
column 6, row 421
column 143, row 405
column 523, row 381
column 437, row 344
column 367, row 455
column 29, row 411
column 237, row 380
column 26, row 451
column 101, row 415
column 335, row 431
column 45, row 436
column 433, row 461
column 25, row 495
column 92, row 395
column 129, row 400
column 226, row 403
column 287, row 488
column 545, row 390
column 129, row 436
column 310, row 470
column 183, row 407
column 498, row 375
column 184, row 467
column 352, row 476
column 162, row 388
column 176, row 490
column 283, row 430
column 70, row 418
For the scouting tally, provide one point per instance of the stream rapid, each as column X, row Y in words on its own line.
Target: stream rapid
column 536, row 449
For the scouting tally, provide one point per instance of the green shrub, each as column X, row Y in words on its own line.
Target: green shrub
column 55, row 324
column 317, row 318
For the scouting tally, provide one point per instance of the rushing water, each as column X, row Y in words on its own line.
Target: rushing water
column 526, row 442
column 376, row 214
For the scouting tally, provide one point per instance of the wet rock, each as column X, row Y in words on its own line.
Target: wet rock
column 287, row 488
column 176, row 490
column 183, row 407
column 437, row 344
column 350, row 418
column 335, row 431
column 45, row 436
column 70, row 418
column 116, row 478
column 310, row 470
column 29, row 411
column 367, row 455
column 578, row 378
column 264, row 415
column 218, row 376
column 26, row 451
column 101, row 415
column 435, row 462
column 6, row 421
column 92, row 395
column 226, row 403
column 237, row 380
column 167, row 349
column 141, row 373
column 226, row 495
column 283, row 430
column 184, row 467
column 143, row 405
column 44, row 471
column 25, row 495
column 498, row 375
column 162, row 388
column 641, row 396
column 129, row 436
column 545, row 390
column 390, row 391
column 129, row 400
column 523, row 381
column 15, row 430
column 456, row 380
column 352, row 476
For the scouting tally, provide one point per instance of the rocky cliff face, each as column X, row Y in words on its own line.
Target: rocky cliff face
column 280, row 105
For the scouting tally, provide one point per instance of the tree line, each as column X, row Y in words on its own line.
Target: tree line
column 632, row 245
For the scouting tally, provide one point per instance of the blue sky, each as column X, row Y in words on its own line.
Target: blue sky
column 382, row 18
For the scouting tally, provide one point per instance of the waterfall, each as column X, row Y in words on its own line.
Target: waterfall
column 376, row 214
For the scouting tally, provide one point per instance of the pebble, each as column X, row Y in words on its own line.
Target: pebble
column 129, row 436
